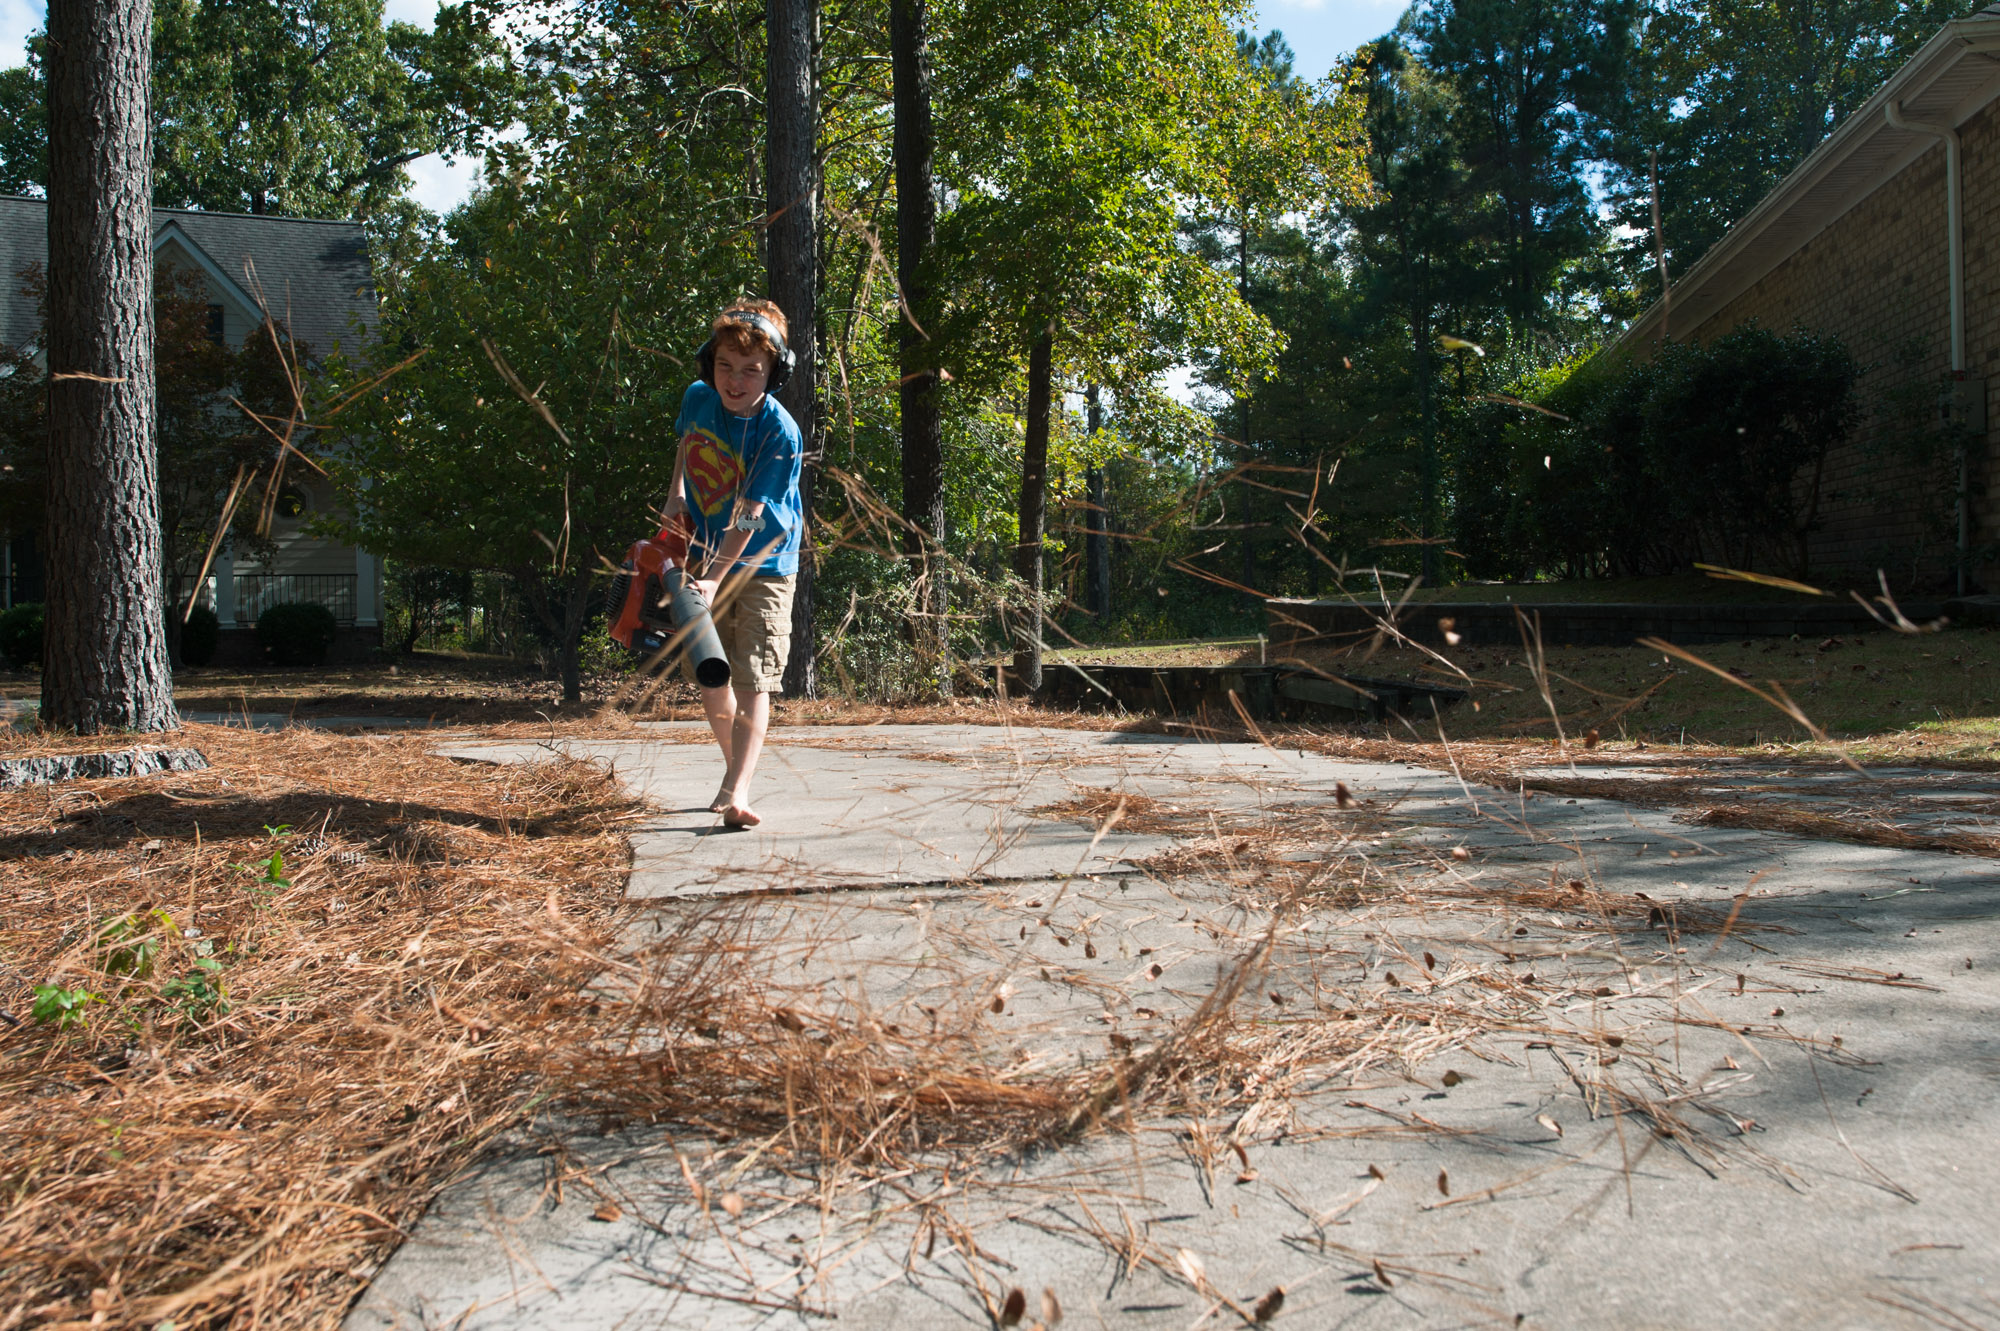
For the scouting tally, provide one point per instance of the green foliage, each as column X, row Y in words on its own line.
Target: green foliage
column 555, row 313
column 1732, row 94
column 200, row 993
column 129, row 944
column 62, row 1007
column 309, row 108
column 201, row 635
column 296, row 633
column 1704, row 453
column 269, row 872
column 21, row 635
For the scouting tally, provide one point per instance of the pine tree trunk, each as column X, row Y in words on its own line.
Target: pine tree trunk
column 1097, row 534
column 791, row 78
column 916, row 230
column 106, row 647
column 1034, row 489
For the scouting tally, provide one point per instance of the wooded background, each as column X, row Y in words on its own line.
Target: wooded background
column 1017, row 227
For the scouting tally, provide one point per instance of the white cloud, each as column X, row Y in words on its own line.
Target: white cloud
column 18, row 18
column 441, row 186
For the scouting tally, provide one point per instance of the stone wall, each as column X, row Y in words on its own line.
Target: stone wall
column 1878, row 279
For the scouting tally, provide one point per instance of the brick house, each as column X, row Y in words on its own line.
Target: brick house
column 317, row 279
column 1857, row 242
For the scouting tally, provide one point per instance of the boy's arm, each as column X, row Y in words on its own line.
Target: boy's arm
column 677, row 491
column 729, row 555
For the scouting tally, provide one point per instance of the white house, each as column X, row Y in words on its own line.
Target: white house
column 316, row 279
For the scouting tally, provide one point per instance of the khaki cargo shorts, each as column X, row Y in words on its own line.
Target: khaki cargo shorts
column 755, row 626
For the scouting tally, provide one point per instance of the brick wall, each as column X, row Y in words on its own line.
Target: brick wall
column 1878, row 278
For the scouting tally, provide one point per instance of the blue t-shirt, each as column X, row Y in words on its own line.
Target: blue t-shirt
column 758, row 459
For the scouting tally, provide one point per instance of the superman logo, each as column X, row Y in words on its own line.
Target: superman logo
column 712, row 472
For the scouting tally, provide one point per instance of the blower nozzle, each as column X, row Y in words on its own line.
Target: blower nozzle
column 654, row 606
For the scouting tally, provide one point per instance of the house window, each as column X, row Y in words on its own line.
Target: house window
column 215, row 324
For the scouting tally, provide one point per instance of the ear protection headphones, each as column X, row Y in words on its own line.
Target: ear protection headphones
column 781, row 366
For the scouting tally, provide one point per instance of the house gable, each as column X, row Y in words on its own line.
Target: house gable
column 173, row 247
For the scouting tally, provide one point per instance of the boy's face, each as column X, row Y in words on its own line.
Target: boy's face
column 740, row 377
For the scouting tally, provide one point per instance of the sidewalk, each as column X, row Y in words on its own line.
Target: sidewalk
column 1495, row 1059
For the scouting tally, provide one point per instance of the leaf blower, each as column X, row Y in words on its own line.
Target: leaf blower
column 654, row 605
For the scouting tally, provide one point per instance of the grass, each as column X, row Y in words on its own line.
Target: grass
column 1690, row 588
column 1931, row 696
column 1890, row 696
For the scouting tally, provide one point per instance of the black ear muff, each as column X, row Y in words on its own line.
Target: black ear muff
column 781, row 365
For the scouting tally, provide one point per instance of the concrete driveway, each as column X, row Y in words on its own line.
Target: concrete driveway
column 1496, row 1060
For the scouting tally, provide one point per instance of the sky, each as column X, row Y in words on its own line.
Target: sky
column 1320, row 31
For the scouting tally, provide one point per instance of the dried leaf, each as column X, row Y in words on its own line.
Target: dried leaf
column 998, row 1005
column 732, row 1203
column 1155, row 971
column 1342, row 796
column 1268, row 1306
column 1460, row 853
column 1377, row 1173
column 1192, row 1268
column 1430, row 962
column 1015, row 1307
column 1381, row 1276
column 789, row 1019
column 1444, row 1183
column 1051, row 1308
column 607, row 1212
column 1550, row 1123
column 1090, row 950
column 1452, row 1078
column 1590, row 738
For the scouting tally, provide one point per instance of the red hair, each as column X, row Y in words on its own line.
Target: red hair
column 739, row 336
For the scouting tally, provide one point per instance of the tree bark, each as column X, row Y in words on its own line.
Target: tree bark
column 916, row 231
column 1243, row 449
column 1034, row 489
column 106, row 647
column 1097, row 531
column 791, row 79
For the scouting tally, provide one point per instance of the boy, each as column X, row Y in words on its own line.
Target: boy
column 736, row 488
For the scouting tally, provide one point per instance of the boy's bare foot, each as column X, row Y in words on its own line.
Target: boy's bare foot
column 720, row 802
column 740, row 815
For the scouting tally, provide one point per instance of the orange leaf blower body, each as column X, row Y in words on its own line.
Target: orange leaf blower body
column 654, row 606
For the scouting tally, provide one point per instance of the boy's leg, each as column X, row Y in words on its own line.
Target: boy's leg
column 720, row 706
column 758, row 645
column 753, row 719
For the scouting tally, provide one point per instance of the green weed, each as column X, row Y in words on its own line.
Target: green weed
column 62, row 1006
column 201, row 993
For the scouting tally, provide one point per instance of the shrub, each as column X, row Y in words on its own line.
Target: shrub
column 296, row 633
column 1633, row 469
column 201, row 633
column 21, row 635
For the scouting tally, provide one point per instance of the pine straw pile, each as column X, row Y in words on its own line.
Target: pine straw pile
column 307, row 983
